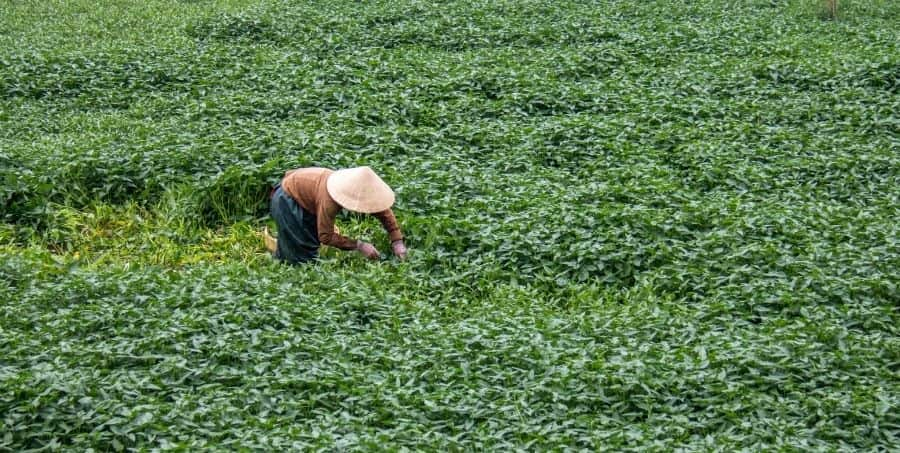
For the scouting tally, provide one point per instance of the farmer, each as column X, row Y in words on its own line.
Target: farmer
column 305, row 203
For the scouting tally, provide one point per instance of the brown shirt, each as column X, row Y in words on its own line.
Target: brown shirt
column 307, row 187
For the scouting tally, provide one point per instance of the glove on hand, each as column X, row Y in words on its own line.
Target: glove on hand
column 367, row 250
column 399, row 249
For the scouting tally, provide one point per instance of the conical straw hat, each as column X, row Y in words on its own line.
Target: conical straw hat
column 360, row 190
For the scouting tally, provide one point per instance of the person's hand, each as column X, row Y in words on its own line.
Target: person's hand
column 399, row 249
column 367, row 250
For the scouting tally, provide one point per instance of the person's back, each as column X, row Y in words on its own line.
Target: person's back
column 305, row 185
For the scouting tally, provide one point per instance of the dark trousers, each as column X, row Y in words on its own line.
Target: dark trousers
column 298, row 239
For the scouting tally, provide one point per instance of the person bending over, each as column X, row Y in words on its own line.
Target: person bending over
column 307, row 200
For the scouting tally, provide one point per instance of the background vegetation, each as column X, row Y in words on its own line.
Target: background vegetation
column 634, row 225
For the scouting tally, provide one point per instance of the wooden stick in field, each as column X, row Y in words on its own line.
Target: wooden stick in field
column 832, row 6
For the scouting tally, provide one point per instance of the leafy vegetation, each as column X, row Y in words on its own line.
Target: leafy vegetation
column 634, row 225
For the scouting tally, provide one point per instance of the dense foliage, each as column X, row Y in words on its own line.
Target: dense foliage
column 634, row 225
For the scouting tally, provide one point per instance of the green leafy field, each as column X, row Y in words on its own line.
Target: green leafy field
column 633, row 225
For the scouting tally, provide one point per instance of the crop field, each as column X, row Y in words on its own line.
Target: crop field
column 633, row 225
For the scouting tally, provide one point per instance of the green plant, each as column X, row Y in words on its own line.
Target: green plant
column 633, row 226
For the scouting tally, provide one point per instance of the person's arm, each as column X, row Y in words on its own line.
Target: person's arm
column 327, row 235
column 389, row 222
